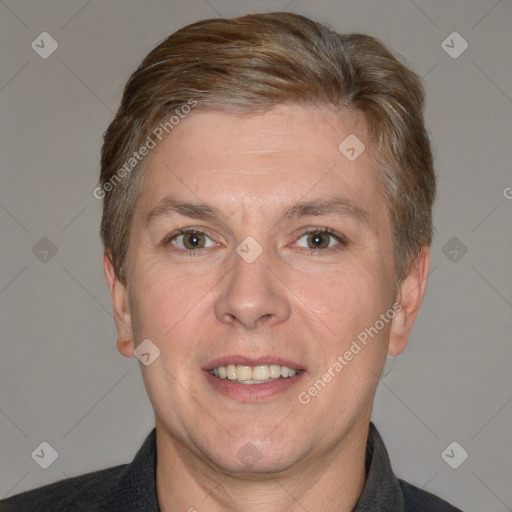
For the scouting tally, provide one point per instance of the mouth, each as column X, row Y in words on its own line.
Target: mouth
column 253, row 380
column 250, row 375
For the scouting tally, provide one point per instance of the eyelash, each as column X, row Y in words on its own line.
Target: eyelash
column 184, row 231
column 342, row 241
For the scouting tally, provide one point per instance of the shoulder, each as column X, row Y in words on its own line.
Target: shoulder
column 90, row 492
column 123, row 488
column 418, row 500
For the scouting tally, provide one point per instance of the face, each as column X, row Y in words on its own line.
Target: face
column 258, row 255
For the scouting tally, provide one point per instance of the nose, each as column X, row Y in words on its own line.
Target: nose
column 252, row 295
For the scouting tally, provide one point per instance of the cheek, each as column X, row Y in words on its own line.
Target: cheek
column 348, row 300
column 165, row 299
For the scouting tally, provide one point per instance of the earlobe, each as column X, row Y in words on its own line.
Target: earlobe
column 409, row 299
column 121, row 306
column 398, row 334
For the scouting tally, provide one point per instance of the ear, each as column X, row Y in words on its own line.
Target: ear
column 121, row 306
column 410, row 296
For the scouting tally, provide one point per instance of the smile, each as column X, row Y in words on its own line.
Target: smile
column 253, row 374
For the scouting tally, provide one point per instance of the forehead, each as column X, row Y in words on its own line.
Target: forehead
column 262, row 161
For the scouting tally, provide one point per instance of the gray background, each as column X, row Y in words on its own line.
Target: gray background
column 61, row 378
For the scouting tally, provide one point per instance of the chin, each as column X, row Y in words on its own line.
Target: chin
column 253, row 455
column 248, row 460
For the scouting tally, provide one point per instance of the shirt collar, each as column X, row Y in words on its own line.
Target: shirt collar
column 381, row 491
column 137, row 482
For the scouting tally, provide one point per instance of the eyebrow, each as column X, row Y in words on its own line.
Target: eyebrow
column 340, row 206
column 169, row 205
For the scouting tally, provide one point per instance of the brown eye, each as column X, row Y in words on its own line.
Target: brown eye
column 319, row 240
column 315, row 239
column 193, row 240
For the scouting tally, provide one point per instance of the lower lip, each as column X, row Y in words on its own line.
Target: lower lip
column 253, row 392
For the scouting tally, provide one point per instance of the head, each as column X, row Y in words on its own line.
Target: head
column 235, row 129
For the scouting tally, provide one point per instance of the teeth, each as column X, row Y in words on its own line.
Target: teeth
column 252, row 374
column 261, row 372
column 275, row 371
column 230, row 371
column 243, row 373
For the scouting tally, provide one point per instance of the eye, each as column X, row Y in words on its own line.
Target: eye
column 321, row 238
column 190, row 240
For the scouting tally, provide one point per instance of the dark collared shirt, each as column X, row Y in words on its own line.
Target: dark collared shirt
column 132, row 488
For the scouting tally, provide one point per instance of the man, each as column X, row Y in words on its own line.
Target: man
column 268, row 188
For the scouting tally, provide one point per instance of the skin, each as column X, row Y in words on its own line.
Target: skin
column 295, row 301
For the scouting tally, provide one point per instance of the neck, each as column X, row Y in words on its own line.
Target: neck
column 330, row 482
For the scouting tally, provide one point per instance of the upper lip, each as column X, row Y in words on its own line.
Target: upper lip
column 252, row 361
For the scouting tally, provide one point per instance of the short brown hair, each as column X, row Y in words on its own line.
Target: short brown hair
column 253, row 63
